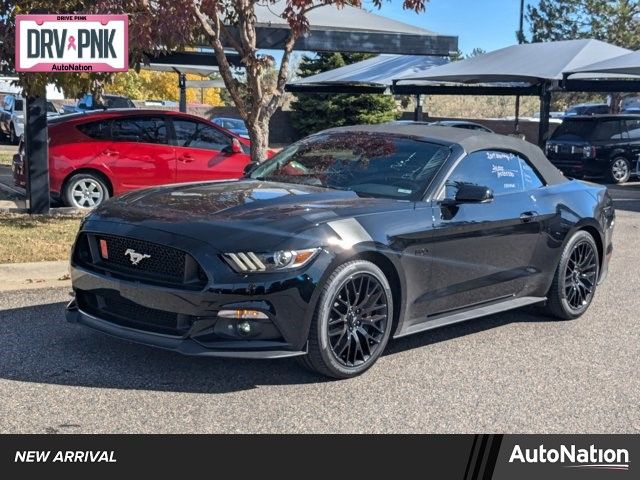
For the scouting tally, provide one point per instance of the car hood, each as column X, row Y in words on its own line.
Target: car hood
column 235, row 215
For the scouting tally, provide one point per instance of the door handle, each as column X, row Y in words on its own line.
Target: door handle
column 185, row 159
column 111, row 153
column 527, row 217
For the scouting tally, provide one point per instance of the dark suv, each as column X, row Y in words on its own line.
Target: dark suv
column 597, row 145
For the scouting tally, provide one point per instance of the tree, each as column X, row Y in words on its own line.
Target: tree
column 215, row 17
column 613, row 21
column 312, row 112
column 165, row 25
column 147, row 85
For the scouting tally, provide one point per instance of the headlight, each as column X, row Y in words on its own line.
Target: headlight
column 269, row 262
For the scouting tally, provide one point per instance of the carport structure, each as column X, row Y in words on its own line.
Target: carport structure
column 373, row 75
column 524, row 69
column 349, row 30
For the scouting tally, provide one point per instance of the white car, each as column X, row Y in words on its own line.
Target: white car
column 12, row 116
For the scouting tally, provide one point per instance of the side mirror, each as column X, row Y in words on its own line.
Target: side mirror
column 473, row 194
column 470, row 194
column 236, row 146
column 250, row 167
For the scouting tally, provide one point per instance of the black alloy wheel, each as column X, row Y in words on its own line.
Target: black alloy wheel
column 352, row 322
column 358, row 320
column 575, row 281
column 580, row 275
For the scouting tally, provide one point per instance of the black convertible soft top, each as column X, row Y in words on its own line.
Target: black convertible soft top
column 469, row 140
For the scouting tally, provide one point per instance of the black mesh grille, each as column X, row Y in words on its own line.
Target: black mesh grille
column 113, row 308
column 164, row 261
column 160, row 264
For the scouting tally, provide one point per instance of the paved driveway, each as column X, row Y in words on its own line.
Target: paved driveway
column 513, row 372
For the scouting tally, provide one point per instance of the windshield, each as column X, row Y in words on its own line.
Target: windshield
column 231, row 124
column 118, row 102
column 369, row 164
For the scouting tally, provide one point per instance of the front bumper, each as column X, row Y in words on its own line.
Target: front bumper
column 183, row 345
column 103, row 300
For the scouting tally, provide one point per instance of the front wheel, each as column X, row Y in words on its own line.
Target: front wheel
column 619, row 170
column 575, row 280
column 352, row 321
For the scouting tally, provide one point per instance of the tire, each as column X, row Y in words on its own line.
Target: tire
column 575, row 282
column 356, row 302
column 619, row 170
column 85, row 190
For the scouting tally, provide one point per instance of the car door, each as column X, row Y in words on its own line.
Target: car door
column 482, row 252
column 204, row 152
column 137, row 152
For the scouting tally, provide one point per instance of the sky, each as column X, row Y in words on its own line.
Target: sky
column 486, row 24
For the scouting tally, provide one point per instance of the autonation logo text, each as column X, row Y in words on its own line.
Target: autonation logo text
column 574, row 457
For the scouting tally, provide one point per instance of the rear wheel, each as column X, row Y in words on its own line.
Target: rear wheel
column 619, row 170
column 352, row 322
column 574, row 283
column 85, row 190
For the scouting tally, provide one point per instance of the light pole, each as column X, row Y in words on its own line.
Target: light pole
column 520, row 40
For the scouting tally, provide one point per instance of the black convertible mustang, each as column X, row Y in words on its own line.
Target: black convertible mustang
column 339, row 242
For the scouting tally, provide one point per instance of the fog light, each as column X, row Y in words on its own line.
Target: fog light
column 243, row 314
column 244, row 328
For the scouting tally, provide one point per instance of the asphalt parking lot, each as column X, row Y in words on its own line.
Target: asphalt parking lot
column 513, row 372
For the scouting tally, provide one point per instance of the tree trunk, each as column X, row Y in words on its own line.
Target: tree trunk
column 259, row 134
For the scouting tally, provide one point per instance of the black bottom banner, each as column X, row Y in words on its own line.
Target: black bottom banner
column 464, row 457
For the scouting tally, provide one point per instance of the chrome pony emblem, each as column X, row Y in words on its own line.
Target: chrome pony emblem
column 135, row 257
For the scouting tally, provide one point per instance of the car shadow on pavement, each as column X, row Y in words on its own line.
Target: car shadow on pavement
column 38, row 345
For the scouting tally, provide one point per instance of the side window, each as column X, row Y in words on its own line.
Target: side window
column 194, row 134
column 18, row 105
column 97, row 130
column 530, row 178
column 139, row 129
column 633, row 129
column 610, row 130
column 502, row 172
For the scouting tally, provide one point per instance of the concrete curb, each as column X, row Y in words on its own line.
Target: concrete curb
column 21, row 276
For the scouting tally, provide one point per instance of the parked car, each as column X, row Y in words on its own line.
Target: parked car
column 12, row 115
column 86, row 104
column 234, row 125
column 341, row 241
column 447, row 123
column 93, row 156
column 463, row 124
column 597, row 145
column 587, row 109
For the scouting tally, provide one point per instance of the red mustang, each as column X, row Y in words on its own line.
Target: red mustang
column 93, row 156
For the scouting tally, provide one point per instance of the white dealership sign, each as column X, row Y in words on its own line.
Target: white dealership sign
column 72, row 43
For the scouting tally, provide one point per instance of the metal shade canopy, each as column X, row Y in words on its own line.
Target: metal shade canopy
column 202, row 63
column 523, row 69
column 623, row 65
column 349, row 29
column 373, row 75
column 532, row 63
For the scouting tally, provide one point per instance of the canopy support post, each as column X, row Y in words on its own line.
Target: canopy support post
column 182, row 86
column 417, row 113
column 516, row 123
column 37, row 153
column 545, row 109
